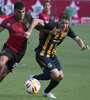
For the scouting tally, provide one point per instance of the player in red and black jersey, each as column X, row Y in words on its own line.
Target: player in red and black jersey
column 45, row 53
column 14, row 48
column 47, row 15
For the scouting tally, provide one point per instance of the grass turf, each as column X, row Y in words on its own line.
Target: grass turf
column 74, row 61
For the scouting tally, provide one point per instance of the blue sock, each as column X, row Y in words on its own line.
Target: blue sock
column 42, row 76
column 51, row 86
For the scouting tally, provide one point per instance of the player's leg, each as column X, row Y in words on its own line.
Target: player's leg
column 4, row 72
column 54, row 83
column 3, row 60
column 42, row 61
column 56, row 75
column 5, row 55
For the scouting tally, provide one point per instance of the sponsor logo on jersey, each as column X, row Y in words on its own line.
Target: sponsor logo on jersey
column 56, row 41
column 45, row 18
column 20, row 29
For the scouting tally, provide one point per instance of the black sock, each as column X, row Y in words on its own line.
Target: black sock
column 51, row 86
column 42, row 76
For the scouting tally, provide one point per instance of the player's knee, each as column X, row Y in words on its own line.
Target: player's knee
column 61, row 77
column 55, row 75
column 2, row 64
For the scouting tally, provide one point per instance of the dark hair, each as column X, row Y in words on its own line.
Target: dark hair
column 19, row 5
column 46, row 1
column 63, row 16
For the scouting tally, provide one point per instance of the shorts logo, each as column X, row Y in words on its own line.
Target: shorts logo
column 49, row 65
column 15, row 65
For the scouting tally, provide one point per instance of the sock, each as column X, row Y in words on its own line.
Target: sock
column 43, row 76
column 51, row 86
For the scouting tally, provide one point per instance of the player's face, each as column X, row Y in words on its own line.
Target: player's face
column 47, row 6
column 20, row 14
column 63, row 23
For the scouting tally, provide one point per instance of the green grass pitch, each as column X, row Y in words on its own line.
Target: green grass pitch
column 75, row 64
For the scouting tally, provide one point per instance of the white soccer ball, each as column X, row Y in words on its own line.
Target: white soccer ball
column 32, row 86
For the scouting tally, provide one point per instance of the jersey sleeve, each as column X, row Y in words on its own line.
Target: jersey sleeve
column 71, row 33
column 4, row 23
column 50, row 25
column 40, row 16
column 29, row 17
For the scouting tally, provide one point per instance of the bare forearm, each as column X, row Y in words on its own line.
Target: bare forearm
column 34, row 23
column 41, row 28
column 81, row 43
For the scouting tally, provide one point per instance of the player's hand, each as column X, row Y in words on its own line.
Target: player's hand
column 27, row 34
column 57, row 31
column 85, row 47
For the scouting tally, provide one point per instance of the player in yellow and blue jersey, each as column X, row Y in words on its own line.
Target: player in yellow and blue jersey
column 45, row 52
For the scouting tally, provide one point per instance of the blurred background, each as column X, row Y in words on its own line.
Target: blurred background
column 77, row 9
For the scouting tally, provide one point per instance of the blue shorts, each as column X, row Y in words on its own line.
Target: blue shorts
column 47, row 64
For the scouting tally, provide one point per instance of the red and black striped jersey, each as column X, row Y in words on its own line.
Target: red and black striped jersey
column 17, row 41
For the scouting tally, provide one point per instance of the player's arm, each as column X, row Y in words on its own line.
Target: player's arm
column 34, row 23
column 78, row 40
column 81, row 43
column 41, row 28
column 47, row 28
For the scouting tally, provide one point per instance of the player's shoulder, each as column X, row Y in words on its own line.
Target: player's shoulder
column 10, row 18
column 28, row 18
column 28, row 15
column 7, row 20
column 69, row 28
column 42, row 13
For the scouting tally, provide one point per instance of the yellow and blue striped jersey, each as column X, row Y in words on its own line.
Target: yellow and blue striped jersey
column 49, row 42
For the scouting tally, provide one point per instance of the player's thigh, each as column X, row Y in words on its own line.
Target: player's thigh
column 55, row 74
column 45, row 63
column 56, row 62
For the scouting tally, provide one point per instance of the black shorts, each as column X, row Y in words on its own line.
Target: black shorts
column 47, row 64
column 14, row 58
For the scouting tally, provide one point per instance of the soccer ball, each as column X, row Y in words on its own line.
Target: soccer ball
column 32, row 86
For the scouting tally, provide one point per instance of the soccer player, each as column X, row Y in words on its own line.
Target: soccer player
column 47, row 15
column 14, row 48
column 45, row 53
